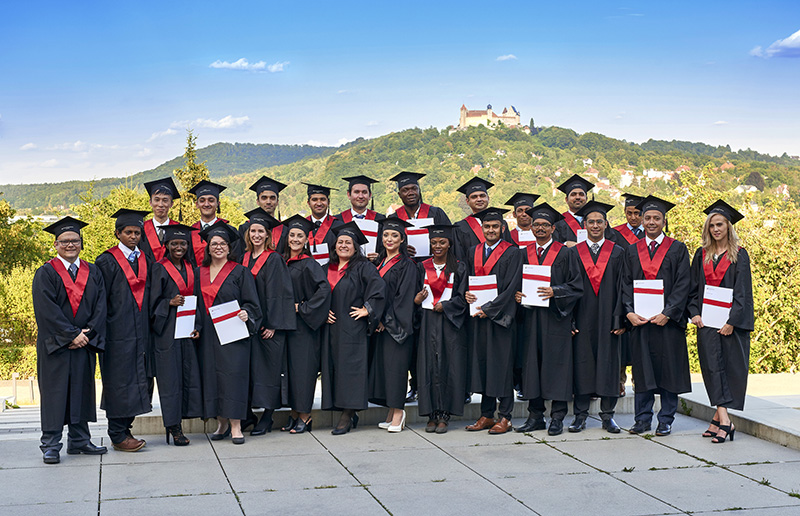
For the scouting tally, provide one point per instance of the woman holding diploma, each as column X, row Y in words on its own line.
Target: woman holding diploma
column 723, row 315
column 357, row 303
column 312, row 301
column 392, row 342
column 177, row 364
column 442, row 351
column 226, row 367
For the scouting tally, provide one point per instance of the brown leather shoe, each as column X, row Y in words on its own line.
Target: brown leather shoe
column 502, row 426
column 441, row 427
column 130, row 444
column 483, row 423
column 431, row 426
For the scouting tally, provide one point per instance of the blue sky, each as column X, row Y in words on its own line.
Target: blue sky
column 98, row 89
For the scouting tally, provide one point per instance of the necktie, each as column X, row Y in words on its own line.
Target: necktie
column 73, row 271
column 205, row 225
column 133, row 256
column 595, row 248
column 653, row 245
column 362, row 216
column 539, row 253
column 317, row 224
column 486, row 252
column 637, row 232
column 160, row 231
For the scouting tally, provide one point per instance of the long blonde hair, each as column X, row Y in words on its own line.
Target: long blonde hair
column 710, row 246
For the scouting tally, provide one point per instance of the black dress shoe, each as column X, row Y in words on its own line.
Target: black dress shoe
column 578, row 424
column 531, row 424
column 663, row 429
column 519, row 395
column 556, row 427
column 51, row 457
column 468, row 399
column 264, row 424
column 412, row 396
column 610, row 426
column 249, row 421
column 639, row 427
column 88, row 449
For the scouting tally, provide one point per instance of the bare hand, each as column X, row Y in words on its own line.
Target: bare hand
column 194, row 335
column 357, row 313
column 480, row 313
column 438, row 307
column 570, row 243
column 636, row 319
column 470, row 297
column 380, row 327
column 518, row 297
column 698, row 321
column 421, row 295
column 243, row 315
column 371, row 256
column 177, row 300
column 80, row 341
column 574, row 331
column 545, row 292
column 659, row 319
column 331, row 317
column 412, row 251
column 726, row 330
column 618, row 331
column 267, row 334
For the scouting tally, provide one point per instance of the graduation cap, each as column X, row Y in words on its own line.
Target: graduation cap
column 162, row 186
column 652, row 202
column 396, row 224
column 522, row 199
column 126, row 217
column 724, row 209
column 359, row 180
column 476, row 184
column 207, row 188
column 574, row 182
column 491, row 214
column 299, row 222
column 259, row 216
column 632, row 200
column 177, row 232
column 266, row 183
column 64, row 225
column 318, row 189
column 546, row 212
column 351, row 229
column 407, row 178
column 220, row 229
column 441, row 231
column 594, row 206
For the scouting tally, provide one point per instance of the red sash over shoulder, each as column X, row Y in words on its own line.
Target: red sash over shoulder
column 482, row 269
column 437, row 283
column 595, row 271
column 550, row 257
column 476, row 228
column 651, row 267
column 627, row 234
column 713, row 275
column 260, row 261
column 424, row 209
column 572, row 222
column 209, row 288
column 151, row 235
column 383, row 269
column 75, row 289
column 186, row 288
column 135, row 282
column 335, row 274
column 319, row 235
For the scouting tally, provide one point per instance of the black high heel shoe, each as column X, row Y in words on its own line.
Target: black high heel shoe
column 709, row 433
column 177, row 436
column 264, row 424
column 352, row 422
column 301, row 426
column 218, row 437
column 729, row 431
column 290, row 424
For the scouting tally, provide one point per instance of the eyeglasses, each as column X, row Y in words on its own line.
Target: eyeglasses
column 67, row 243
column 218, row 245
column 543, row 225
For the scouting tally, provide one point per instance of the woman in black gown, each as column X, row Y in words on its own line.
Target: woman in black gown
column 357, row 303
column 226, row 368
column 177, row 364
column 724, row 352
column 392, row 343
column 312, row 301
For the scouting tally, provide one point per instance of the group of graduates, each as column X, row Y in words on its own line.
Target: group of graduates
column 329, row 294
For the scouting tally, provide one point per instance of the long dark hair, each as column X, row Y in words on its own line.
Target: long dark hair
column 287, row 252
column 357, row 257
column 450, row 262
column 207, row 254
column 382, row 255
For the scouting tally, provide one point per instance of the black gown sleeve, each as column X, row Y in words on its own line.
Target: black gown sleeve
column 741, row 315
column 456, row 308
column 502, row 309
column 159, row 299
column 275, row 288
column 567, row 293
column 398, row 316
column 675, row 302
column 374, row 293
column 248, row 300
column 694, row 305
column 314, row 310
column 49, row 312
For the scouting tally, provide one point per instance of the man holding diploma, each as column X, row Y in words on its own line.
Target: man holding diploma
column 491, row 350
column 546, row 331
column 658, row 343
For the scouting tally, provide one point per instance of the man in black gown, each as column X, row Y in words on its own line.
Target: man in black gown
column 468, row 231
column 69, row 302
column 267, row 198
column 163, row 193
column 322, row 238
column 576, row 190
column 359, row 193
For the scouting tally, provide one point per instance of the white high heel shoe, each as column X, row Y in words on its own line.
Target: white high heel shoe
column 394, row 429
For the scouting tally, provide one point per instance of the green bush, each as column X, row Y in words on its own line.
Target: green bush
column 17, row 359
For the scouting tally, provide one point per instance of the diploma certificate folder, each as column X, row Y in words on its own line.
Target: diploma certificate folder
column 648, row 297
column 484, row 288
column 533, row 277
column 418, row 236
column 717, row 303
column 321, row 253
column 227, row 323
column 370, row 230
column 427, row 303
column 184, row 319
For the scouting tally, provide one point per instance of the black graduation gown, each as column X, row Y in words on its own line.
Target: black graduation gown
column 547, row 332
column 312, row 293
column 347, row 218
column 725, row 360
column 439, row 218
column 66, row 376
column 127, row 364
column 267, row 356
column 345, row 344
column 625, row 346
column 177, row 363
column 466, row 238
column 330, row 236
column 443, row 349
column 595, row 350
column 564, row 233
column 491, row 348
column 391, row 349
column 659, row 354
column 226, row 369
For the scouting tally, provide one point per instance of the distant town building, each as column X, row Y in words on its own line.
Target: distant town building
column 487, row 117
column 587, row 162
column 746, row 189
column 783, row 191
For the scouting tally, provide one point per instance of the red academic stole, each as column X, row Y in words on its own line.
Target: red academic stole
column 151, row 235
column 626, row 232
column 714, row 276
column 482, row 269
column 75, row 289
column 550, row 253
column 515, row 237
column 476, row 228
column 260, row 261
column 595, row 271
column 209, row 288
column 136, row 283
column 277, row 233
column 185, row 288
column 383, row 269
column 198, row 244
column 438, row 284
column 334, row 274
column 347, row 216
column 423, row 212
column 572, row 222
column 297, row 258
column 650, row 267
column 322, row 232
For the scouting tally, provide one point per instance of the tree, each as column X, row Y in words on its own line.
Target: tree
column 22, row 241
column 756, row 179
column 189, row 175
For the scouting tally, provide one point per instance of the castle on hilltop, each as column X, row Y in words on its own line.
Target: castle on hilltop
column 487, row 117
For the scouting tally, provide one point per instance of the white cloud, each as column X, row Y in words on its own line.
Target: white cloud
column 788, row 47
column 317, row 143
column 507, row 57
column 244, row 64
column 721, row 122
column 342, row 141
column 340, row 92
column 49, row 163
column 372, row 123
column 28, row 146
column 145, row 152
column 159, row 134
column 227, row 122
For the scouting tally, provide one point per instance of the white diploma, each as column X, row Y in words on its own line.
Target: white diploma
column 427, row 303
column 321, row 253
column 484, row 288
column 418, row 236
column 717, row 302
column 525, row 238
column 370, row 230
column 184, row 319
column 648, row 297
column 582, row 234
column 533, row 277
column 227, row 323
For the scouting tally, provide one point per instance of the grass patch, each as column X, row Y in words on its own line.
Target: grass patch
column 439, row 480
column 764, row 482
column 325, row 487
column 629, row 470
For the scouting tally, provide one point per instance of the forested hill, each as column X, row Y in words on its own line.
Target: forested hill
column 223, row 159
